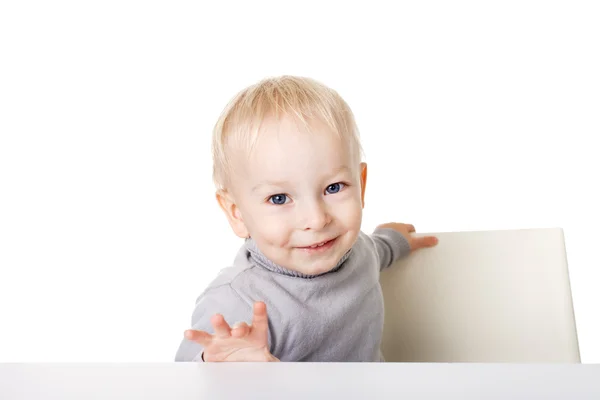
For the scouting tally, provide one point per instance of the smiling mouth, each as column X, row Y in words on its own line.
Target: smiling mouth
column 318, row 245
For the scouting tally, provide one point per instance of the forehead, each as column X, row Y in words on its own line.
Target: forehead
column 289, row 150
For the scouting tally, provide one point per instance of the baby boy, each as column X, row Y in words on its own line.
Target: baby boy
column 305, row 284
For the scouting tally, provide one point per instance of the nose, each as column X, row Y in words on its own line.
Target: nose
column 315, row 216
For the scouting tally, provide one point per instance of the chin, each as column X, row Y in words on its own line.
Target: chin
column 322, row 266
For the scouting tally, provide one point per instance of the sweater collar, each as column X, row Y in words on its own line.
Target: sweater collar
column 255, row 255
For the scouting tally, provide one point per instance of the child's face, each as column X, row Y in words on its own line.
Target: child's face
column 298, row 190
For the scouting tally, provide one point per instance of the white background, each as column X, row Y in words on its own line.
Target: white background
column 474, row 115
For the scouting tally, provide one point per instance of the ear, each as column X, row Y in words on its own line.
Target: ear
column 233, row 213
column 363, row 182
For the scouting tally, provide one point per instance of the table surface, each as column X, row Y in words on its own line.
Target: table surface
column 184, row 381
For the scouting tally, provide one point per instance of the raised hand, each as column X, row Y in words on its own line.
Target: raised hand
column 240, row 343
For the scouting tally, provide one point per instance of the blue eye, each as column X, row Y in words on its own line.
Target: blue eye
column 334, row 188
column 278, row 199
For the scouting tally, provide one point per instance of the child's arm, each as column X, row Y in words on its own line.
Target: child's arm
column 394, row 241
column 212, row 339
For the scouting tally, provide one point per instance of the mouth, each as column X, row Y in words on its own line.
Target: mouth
column 319, row 246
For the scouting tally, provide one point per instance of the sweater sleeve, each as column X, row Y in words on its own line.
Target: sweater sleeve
column 220, row 300
column 391, row 245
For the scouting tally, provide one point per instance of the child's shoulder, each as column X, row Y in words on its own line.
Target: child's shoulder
column 229, row 275
column 226, row 291
column 238, row 274
column 364, row 242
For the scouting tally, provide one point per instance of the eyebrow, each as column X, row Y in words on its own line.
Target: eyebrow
column 283, row 183
column 268, row 183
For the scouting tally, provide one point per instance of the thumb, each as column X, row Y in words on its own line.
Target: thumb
column 260, row 321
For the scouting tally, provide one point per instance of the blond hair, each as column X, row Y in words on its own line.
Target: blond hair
column 299, row 97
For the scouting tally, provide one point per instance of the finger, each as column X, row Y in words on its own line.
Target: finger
column 260, row 322
column 222, row 329
column 422, row 242
column 410, row 228
column 240, row 330
column 200, row 337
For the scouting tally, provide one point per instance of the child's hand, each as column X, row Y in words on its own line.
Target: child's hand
column 242, row 343
column 415, row 242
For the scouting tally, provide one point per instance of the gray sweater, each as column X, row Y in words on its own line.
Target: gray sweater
column 336, row 316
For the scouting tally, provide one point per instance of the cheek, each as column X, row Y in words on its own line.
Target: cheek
column 355, row 217
column 269, row 226
column 348, row 212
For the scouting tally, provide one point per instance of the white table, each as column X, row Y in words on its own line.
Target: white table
column 182, row 381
